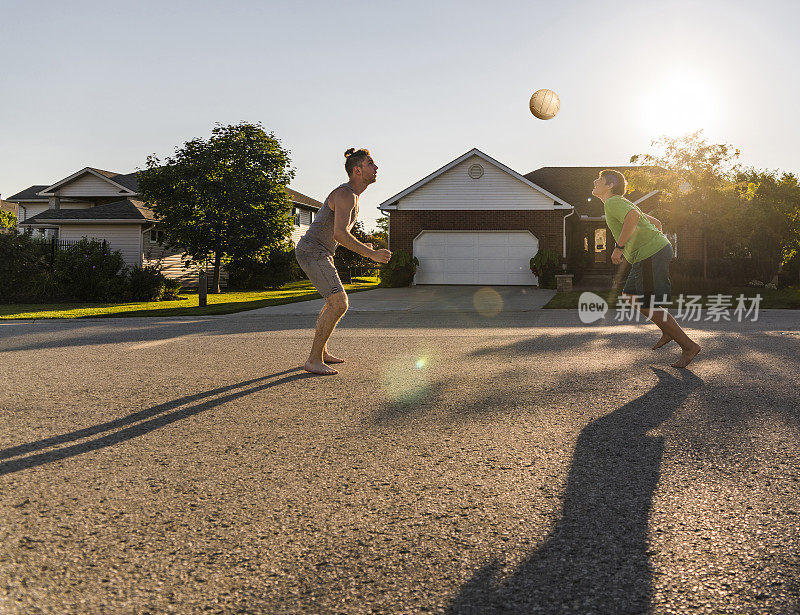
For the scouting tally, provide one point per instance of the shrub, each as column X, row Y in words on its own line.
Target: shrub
column 24, row 264
column 273, row 269
column 544, row 265
column 90, row 271
column 147, row 283
column 172, row 289
column 399, row 271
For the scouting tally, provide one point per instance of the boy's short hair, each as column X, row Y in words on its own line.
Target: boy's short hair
column 616, row 180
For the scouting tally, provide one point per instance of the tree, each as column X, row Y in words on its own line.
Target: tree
column 696, row 181
column 7, row 219
column 347, row 260
column 224, row 197
column 382, row 233
column 768, row 223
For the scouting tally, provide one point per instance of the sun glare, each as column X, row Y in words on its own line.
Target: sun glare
column 678, row 103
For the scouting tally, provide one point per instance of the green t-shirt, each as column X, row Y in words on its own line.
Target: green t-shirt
column 646, row 239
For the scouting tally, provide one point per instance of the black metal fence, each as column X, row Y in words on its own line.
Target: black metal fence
column 56, row 243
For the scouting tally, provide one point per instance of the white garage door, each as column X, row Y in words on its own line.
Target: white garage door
column 475, row 257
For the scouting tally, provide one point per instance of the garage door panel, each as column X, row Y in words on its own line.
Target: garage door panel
column 492, row 266
column 518, row 252
column 492, row 252
column 460, row 252
column 475, row 257
column 459, row 266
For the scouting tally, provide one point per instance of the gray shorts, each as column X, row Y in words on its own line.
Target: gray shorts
column 319, row 267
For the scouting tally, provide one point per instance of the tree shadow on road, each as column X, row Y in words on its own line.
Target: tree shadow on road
column 595, row 560
column 153, row 417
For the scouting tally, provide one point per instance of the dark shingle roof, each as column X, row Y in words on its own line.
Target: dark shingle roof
column 128, row 180
column 29, row 194
column 574, row 185
column 302, row 199
column 127, row 209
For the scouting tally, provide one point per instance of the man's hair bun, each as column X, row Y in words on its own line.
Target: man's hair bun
column 354, row 157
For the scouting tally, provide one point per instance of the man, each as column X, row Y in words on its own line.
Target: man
column 314, row 251
column 640, row 240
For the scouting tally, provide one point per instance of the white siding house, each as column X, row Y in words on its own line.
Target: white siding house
column 104, row 205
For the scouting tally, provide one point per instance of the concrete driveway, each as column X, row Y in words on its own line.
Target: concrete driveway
column 486, row 300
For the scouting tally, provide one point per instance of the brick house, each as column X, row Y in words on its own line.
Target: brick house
column 475, row 221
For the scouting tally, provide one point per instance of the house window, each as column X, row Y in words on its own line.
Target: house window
column 157, row 237
column 296, row 215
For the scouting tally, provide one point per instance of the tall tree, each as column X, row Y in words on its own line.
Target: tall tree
column 696, row 180
column 223, row 197
column 768, row 223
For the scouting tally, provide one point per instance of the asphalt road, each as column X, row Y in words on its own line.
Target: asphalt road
column 520, row 463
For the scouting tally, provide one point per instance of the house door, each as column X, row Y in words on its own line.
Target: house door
column 600, row 246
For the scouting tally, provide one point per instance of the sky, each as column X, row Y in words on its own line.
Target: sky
column 419, row 83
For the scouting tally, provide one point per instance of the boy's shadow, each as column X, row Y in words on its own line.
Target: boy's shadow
column 595, row 560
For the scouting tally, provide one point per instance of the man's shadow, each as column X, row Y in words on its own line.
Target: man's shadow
column 136, row 424
column 595, row 560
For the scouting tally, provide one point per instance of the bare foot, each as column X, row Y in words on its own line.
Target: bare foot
column 665, row 339
column 329, row 358
column 319, row 368
column 687, row 356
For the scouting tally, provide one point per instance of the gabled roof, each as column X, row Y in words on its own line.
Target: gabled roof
column 305, row 202
column 574, row 185
column 126, row 210
column 109, row 176
column 29, row 194
column 390, row 203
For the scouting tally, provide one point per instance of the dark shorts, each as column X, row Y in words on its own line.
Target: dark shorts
column 649, row 278
column 319, row 267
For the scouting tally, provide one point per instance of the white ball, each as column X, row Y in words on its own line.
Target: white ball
column 545, row 104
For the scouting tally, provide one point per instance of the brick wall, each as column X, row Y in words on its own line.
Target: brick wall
column 547, row 225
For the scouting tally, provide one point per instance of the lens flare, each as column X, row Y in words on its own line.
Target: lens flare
column 407, row 380
column 487, row 302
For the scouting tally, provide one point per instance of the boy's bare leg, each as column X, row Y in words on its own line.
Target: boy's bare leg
column 671, row 330
column 330, row 315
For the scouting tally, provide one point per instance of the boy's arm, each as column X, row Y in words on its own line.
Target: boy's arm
column 655, row 221
column 629, row 226
column 628, row 229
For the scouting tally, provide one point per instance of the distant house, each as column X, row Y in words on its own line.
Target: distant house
column 9, row 207
column 105, row 205
column 476, row 221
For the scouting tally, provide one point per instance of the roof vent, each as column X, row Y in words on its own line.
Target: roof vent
column 475, row 171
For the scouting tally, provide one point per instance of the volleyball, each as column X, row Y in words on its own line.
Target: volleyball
column 545, row 104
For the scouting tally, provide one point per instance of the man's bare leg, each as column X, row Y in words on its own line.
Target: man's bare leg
column 327, row 357
column 330, row 315
column 672, row 331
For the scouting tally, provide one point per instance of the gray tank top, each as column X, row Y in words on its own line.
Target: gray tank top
column 320, row 234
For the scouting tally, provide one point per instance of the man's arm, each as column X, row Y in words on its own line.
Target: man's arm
column 344, row 202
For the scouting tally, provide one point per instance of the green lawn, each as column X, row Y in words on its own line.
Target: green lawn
column 786, row 298
column 224, row 303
